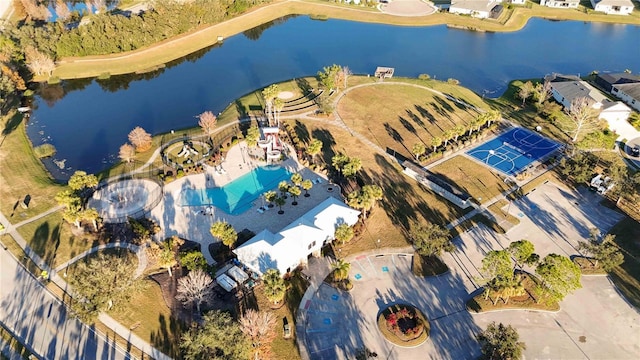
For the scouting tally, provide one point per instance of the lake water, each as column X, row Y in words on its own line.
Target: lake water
column 88, row 120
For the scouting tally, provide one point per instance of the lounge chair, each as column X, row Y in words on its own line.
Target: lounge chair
column 319, row 181
column 260, row 210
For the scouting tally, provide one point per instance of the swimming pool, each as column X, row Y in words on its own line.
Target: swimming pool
column 237, row 196
column 513, row 151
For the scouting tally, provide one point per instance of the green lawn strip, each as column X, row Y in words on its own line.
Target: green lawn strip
column 201, row 38
column 148, row 316
column 397, row 117
column 53, row 239
column 626, row 277
column 15, row 249
column 479, row 304
column 473, row 178
column 424, row 266
column 22, row 173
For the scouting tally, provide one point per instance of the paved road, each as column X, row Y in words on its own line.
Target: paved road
column 38, row 319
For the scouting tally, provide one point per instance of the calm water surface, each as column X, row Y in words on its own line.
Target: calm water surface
column 88, row 120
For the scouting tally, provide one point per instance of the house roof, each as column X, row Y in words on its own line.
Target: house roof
column 614, row 2
column 267, row 250
column 633, row 89
column 571, row 90
column 619, row 78
column 474, row 5
column 560, row 77
column 613, row 106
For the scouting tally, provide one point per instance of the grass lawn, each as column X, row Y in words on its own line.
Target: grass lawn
column 55, row 240
column 427, row 265
column 185, row 44
column 22, row 173
column 473, row 178
column 588, row 266
column 399, row 116
column 500, row 208
column 627, row 276
column 148, row 316
column 404, row 199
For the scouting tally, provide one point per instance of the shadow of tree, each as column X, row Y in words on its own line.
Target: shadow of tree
column 12, row 124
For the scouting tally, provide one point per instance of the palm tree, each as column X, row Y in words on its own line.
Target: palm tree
column 307, row 185
column 296, row 179
column 274, row 286
column 280, row 202
column 458, row 131
column 269, row 93
column 340, row 270
column 344, row 233
column 435, row 142
column 295, row 192
column 360, row 200
column 91, row 214
column 352, row 167
column 283, row 186
column 225, row 232
column 418, row 150
column 314, row 148
column 374, row 192
column 278, row 105
column 447, row 135
column 270, row 196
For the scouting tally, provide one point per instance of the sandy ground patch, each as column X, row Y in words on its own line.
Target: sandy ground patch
column 407, row 8
column 285, row 95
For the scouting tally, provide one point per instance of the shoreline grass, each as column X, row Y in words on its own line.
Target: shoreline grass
column 185, row 44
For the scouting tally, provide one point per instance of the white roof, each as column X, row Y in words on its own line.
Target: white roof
column 287, row 248
column 226, row 282
column 614, row 2
column 474, row 5
column 238, row 274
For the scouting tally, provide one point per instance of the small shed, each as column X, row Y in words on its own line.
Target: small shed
column 237, row 274
column 226, row 282
column 384, row 72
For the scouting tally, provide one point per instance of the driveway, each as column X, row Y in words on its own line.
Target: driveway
column 594, row 322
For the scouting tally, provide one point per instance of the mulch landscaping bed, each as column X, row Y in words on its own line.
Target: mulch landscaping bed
column 479, row 304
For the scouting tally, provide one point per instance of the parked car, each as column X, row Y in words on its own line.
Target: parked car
column 635, row 151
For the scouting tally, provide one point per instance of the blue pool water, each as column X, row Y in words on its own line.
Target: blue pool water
column 237, row 196
column 511, row 152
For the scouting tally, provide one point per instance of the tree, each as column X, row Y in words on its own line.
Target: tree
column 225, row 232
column 219, row 338
column 92, row 215
column 351, row 168
column 81, row 181
column 493, row 115
column 72, row 215
column 269, row 94
column 193, row 260
column 560, row 276
column 418, row 150
column 296, row 179
column 259, row 327
column 295, row 192
column 344, row 233
column 329, row 77
column 283, row 187
column 523, row 253
column 314, row 148
column 270, row 197
column 69, row 199
column 62, row 11
column 499, row 342
column 431, row 239
column 447, row 135
column 360, row 200
column 542, row 92
column 101, row 283
column 140, row 139
column 194, row 288
column 458, row 131
column 605, row 253
column 278, row 105
column 340, row 270
column 374, row 192
column 253, row 135
column 436, row 142
column 306, row 186
column 345, row 74
column 525, row 91
column 338, row 161
column 38, row 63
column 35, row 10
column 580, row 118
column 167, row 257
column 280, row 201
column 127, row 153
column 274, row 286
column 497, row 265
column 207, row 122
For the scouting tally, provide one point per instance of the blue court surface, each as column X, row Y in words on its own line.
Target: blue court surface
column 513, row 151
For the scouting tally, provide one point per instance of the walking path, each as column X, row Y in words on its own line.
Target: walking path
column 138, row 250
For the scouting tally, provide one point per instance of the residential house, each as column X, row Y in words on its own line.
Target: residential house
column 481, row 9
column 293, row 245
column 615, row 112
column 629, row 93
column 565, row 92
column 561, row 4
column 606, row 81
column 613, row 7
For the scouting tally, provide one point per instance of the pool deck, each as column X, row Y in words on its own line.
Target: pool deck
column 190, row 223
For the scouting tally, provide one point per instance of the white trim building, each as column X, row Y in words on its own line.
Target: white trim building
column 561, row 4
column 565, row 92
column 613, row 7
column 629, row 93
column 293, row 245
column 476, row 8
